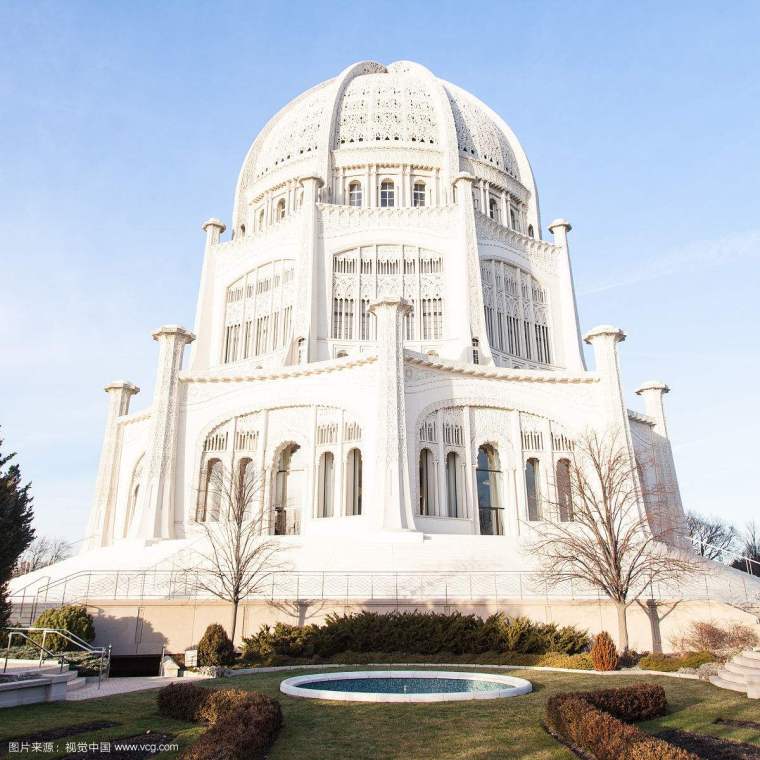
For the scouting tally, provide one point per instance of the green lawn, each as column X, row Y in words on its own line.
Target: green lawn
column 314, row 730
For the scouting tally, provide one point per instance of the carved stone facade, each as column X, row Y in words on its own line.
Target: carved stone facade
column 385, row 342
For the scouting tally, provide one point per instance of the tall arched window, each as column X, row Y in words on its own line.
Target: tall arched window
column 354, row 482
column 260, row 220
column 134, row 492
column 242, row 230
column 564, row 491
column 246, row 485
column 532, row 489
column 530, row 231
column 418, row 194
column 326, row 485
column 427, row 483
column 355, row 194
column 212, row 492
column 488, row 477
column 493, row 209
column 288, row 491
column 387, row 194
column 280, row 209
column 453, row 486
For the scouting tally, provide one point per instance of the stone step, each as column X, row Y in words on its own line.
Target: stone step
column 723, row 684
column 753, row 692
column 752, row 654
column 747, row 662
column 75, row 683
column 729, row 675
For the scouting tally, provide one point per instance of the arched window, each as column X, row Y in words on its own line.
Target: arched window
column 280, row 209
column 355, row 194
column 242, row 230
column 418, row 194
column 453, row 486
column 427, row 483
column 564, row 491
column 246, row 485
column 493, row 209
column 475, row 351
column 260, row 222
column 488, row 478
column 301, row 351
column 532, row 489
column 326, row 485
column 387, row 194
column 212, row 491
column 134, row 492
column 354, row 482
column 341, row 354
column 288, row 491
column 530, row 231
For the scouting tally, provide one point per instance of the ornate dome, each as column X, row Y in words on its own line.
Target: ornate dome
column 394, row 109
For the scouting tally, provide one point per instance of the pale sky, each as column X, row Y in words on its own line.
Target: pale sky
column 123, row 127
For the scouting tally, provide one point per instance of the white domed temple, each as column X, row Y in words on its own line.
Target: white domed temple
column 387, row 340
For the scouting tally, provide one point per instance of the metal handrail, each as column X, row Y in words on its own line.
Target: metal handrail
column 699, row 544
column 104, row 664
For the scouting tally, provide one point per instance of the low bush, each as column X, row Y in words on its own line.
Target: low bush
column 71, row 617
column 415, row 633
column 242, row 724
column 215, row 647
column 593, row 722
column 603, row 653
column 182, row 701
column 666, row 663
column 709, row 637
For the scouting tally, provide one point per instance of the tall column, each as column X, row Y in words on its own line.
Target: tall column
column 155, row 513
column 572, row 349
column 392, row 492
column 101, row 515
column 467, row 272
column 205, row 313
column 663, row 479
column 604, row 340
column 310, row 280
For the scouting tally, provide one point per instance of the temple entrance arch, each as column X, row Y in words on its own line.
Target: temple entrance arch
column 289, row 490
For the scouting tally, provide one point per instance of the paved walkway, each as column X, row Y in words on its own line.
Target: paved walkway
column 111, row 686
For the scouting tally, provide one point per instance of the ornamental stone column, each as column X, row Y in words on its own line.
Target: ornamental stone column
column 309, row 279
column 467, row 272
column 202, row 350
column 666, row 493
column 101, row 515
column 155, row 513
column 604, row 340
column 392, row 492
column 572, row 349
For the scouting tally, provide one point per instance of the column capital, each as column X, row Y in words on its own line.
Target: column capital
column 602, row 331
column 652, row 386
column 303, row 181
column 174, row 331
column 401, row 304
column 463, row 177
column 214, row 222
column 129, row 389
column 560, row 224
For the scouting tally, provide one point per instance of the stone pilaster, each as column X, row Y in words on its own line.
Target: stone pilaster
column 604, row 340
column 310, row 280
column 392, row 492
column 468, row 274
column 572, row 349
column 652, row 392
column 155, row 514
column 101, row 515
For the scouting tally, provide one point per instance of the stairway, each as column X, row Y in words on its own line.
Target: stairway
column 741, row 673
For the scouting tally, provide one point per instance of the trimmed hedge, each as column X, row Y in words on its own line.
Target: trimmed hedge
column 71, row 617
column 414, row 633
column 242, row 724
column 593, row 722
column 670, row 663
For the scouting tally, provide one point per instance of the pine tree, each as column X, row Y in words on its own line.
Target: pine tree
column 16, row 531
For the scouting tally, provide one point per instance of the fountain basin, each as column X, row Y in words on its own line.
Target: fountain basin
column 404, row 686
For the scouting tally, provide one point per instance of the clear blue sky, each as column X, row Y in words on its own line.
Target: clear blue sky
column 123, row 127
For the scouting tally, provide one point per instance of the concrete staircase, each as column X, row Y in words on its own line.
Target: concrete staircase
column 73, row 680
column 741, row 673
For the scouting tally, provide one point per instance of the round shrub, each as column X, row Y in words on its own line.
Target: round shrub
column 603, row 653
column 215, row 647
column 71, row 617
column 182, row 701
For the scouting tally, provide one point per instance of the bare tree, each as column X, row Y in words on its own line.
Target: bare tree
column 238, row 556
column 749, row 562
column 609, row 544
column 41, row 553
column 712, row 537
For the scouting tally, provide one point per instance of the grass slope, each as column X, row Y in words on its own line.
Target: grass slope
column 314, row 730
